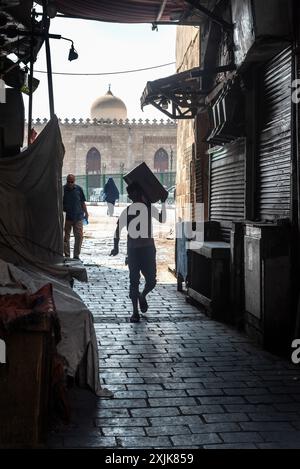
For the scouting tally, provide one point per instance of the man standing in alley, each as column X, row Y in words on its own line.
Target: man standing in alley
column 75, row 208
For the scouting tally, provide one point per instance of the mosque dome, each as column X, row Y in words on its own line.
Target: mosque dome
column 108, row 107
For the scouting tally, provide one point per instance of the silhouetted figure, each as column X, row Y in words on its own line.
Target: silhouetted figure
column 141, row 251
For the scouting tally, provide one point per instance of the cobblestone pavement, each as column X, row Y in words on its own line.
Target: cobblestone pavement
column 179, row 379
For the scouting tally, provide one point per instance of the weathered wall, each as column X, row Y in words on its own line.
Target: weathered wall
column 125, row 143
column 187, row 56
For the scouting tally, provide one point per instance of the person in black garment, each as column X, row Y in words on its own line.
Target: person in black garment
column 111, row 194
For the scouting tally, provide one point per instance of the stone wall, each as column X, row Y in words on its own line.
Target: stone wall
column 121, row 144
column 187, row 57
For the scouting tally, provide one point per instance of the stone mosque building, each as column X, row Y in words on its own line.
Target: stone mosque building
column 109, row 144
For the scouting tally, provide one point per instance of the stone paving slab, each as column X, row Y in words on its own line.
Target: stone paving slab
column 180, row 380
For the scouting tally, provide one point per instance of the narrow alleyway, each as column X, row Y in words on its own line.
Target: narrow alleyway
column 179, row 379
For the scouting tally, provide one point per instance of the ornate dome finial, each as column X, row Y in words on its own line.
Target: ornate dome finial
column 109, row 91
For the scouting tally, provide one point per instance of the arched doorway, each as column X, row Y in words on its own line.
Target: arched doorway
column 93, row 162
column 93, row 170
column 161, row 161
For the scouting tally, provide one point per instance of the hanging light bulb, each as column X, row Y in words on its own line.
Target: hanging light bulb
column 72, row 53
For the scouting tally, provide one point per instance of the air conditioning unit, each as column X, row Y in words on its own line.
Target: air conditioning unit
column 260, row 28
column 227, row 115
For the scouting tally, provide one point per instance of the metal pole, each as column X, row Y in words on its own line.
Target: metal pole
column 30, row 79
column 121, row 177
column 46, row 25
column 104, row 171
column 87, row 186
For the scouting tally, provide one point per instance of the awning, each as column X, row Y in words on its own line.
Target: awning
column 142, row 11
column 124, row 11
column 180, row 96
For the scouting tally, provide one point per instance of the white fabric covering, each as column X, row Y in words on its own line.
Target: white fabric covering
column 31, row 245
column 78, row 333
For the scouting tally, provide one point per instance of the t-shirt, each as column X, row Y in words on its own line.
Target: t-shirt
column 72, row 202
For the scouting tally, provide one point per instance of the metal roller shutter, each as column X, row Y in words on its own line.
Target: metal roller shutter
column 227, row 186
column 199, row 181
column 274, row 147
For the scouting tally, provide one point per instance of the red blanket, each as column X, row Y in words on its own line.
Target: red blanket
column 19, row 310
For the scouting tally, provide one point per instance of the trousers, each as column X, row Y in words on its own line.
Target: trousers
column 78, row 235
column 141, row 260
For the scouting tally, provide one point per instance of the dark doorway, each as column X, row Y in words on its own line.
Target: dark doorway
column 161, row 160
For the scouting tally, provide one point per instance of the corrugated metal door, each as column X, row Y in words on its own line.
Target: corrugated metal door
column 274, row 139
column 227, row 186
column 199, row 181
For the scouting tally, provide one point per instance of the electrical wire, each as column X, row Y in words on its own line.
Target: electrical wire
column 107, row 73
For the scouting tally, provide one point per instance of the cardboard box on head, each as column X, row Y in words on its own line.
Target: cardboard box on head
column 143, row 176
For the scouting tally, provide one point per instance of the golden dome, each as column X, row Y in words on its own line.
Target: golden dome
column 108, row 107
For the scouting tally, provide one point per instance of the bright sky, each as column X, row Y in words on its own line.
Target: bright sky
column 103, row 47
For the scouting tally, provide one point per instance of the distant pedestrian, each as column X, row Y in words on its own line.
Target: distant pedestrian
column 111, row 194
column 141, row 251
column 75, row 208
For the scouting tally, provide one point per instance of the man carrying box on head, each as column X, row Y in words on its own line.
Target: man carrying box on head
column 141, row 251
